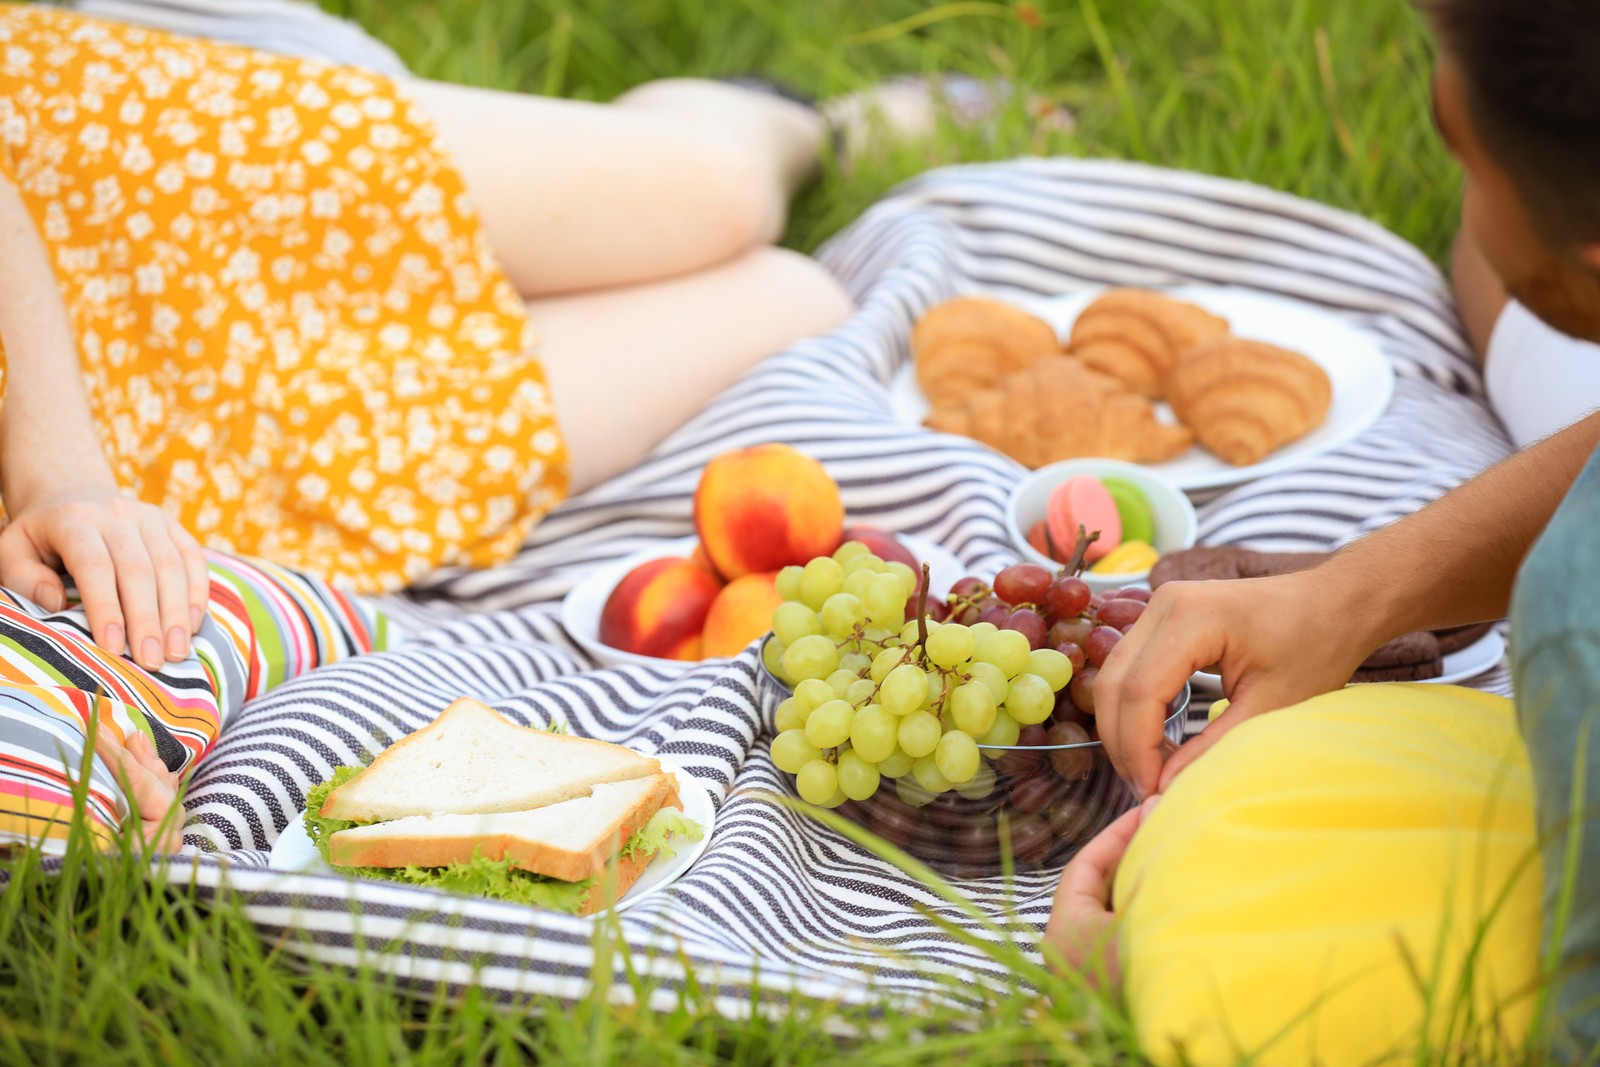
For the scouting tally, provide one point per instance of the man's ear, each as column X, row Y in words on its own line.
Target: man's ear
column 1590, row 254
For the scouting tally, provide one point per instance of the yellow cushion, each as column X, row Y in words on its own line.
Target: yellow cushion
column 1271, row 899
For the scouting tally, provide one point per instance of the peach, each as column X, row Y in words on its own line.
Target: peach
column 766, row 507
column 659, row 609
column 699, row 558
column 741, row 613
column 883, row 545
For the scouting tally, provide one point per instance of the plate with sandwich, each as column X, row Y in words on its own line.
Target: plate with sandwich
column 476, row 804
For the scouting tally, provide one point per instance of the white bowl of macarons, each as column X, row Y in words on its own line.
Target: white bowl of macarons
column 1138, row 516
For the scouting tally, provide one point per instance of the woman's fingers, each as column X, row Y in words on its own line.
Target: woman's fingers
column 136, row 584
column 199, row 572
column 24, row 568
column 87, row 558
column 143, row 751
column 151, row 788
column 172, row 586
column 1080, row 917
column 152, row 792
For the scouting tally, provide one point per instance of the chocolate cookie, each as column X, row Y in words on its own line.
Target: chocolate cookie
column 1417, row 672
column 1210, row 564
column 1413, row 657
column 1458, row 637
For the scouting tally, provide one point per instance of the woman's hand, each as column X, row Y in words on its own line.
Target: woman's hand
column 142, row 577
column 152, row 788
column 1080, row 917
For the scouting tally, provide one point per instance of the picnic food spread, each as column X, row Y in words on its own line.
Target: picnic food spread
column 996, row 374
column 477, row 804
column 755, row 510
column 1413, row 657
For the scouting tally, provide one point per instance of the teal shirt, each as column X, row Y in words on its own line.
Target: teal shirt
column 1555, row 663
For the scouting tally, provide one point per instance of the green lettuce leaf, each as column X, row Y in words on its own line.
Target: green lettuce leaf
column 490, row 878
column 655, row 837
column 493, row 878
column 318, row 828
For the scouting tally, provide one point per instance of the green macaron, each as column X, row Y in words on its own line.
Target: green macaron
column 1138, row 521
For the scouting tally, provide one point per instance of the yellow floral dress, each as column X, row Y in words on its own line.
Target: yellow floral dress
column 294, row 333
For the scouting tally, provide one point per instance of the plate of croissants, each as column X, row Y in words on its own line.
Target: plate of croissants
column 1208, row 386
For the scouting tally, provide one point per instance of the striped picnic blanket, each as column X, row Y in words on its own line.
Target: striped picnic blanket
column 778, row 900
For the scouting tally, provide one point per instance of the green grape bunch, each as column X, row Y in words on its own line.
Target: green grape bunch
column 882, row 694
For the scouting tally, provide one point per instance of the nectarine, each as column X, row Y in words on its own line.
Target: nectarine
column 766, row 507
column 659, row 609
column 699, row 558
column 741, row 613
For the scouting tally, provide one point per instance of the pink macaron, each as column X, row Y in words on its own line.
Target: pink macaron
column 1082, row 501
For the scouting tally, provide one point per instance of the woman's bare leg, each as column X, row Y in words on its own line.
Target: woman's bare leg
column 628, row 366
column 672, row 177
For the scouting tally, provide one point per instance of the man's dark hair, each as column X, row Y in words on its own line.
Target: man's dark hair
column 1531, row 70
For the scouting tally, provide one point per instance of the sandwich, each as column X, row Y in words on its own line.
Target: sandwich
column 476, row 804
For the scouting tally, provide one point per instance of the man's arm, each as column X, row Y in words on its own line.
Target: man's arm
column 1281, row 640
column 143, row 579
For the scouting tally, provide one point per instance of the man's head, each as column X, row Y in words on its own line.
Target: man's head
column 1517, row 98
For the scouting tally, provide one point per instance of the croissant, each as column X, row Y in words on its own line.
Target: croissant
column 1057, row 408
column 1244, row 398
column 970, row 343
column 1136, row 336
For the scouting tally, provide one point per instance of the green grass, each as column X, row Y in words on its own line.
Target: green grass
column 1324, row 98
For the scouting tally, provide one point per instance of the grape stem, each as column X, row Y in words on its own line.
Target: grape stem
column 922, row 608
column 1075, row 565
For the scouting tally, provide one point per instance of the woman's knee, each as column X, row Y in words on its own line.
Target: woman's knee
column 814, row 301
column 736, row 195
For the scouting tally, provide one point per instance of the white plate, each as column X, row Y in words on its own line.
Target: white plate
column 1362, row 377
column 1482, row 655
column 580, row 611
column 293, row 851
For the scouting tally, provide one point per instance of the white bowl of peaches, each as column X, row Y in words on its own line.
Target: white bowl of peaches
column 756, row 510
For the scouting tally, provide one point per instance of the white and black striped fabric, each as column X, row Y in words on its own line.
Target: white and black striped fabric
column 780, row 901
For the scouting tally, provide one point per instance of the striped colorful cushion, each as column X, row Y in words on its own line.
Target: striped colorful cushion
column 265, row 624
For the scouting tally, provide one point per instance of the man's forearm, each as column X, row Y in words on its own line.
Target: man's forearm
column 1455, row 561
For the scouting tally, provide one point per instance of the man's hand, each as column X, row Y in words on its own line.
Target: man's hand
column 1277, row 641
column 152, row 788
column 1080, row 917
column 142, row 577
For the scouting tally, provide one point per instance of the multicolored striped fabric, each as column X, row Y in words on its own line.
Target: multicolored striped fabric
column 265, row 625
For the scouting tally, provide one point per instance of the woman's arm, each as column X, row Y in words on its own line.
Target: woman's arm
column 142, row 578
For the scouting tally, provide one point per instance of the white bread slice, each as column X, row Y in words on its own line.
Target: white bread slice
column 571, row 840
column 473, row 760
